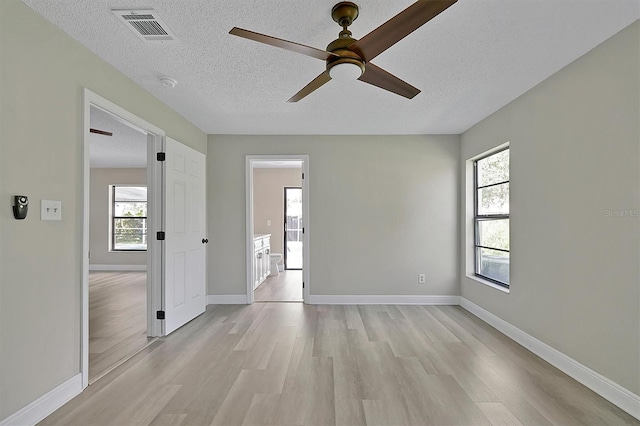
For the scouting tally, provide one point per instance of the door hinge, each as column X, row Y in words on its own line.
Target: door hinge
column 160, row 235
column 303, row 176
column 302, row 284
column 160, row 315
column 303, row 230
column 161, row 156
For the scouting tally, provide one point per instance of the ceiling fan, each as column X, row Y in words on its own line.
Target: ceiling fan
column 348, row 58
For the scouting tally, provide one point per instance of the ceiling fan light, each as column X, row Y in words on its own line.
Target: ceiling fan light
column 346, row 71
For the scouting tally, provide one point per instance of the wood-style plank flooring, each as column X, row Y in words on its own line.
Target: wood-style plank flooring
column 286, row 287
column 296, row 364
column 117, row 318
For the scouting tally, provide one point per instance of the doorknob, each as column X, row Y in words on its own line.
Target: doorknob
column 205, row 240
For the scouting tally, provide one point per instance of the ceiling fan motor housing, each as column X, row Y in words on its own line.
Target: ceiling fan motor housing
column 339, row 47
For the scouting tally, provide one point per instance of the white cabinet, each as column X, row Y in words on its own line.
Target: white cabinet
column 261, row 258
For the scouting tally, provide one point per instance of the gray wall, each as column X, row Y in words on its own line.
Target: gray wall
column 42, row 73
column 99, row 235
column 574, row 156
column 382, row 210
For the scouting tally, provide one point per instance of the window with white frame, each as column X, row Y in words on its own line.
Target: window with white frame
column 491, row 217
column 129, row 218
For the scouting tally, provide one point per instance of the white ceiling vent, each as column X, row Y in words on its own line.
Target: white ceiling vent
column 146, row 24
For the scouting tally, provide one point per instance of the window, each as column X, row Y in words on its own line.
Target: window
column 129, row 218
column 491, row 217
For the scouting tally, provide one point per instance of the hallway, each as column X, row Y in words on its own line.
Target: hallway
column 286, row 287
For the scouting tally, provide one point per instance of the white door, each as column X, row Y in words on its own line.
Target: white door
column 185, row 238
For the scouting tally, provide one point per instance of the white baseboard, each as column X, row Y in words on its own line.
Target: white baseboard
column 227, row 299
column 369, row 299
column 46, row 404
column 606, row 388
column 117, row 267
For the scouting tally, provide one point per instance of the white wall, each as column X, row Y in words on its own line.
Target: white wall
column 382, row 210
column 42, row 73
column 99, row 235
column 574, row 156
column 268, row 202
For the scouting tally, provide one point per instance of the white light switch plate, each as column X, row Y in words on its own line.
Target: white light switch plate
column 51, row 210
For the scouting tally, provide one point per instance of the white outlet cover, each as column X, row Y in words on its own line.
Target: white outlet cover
column 268, row 222
column 51, row 210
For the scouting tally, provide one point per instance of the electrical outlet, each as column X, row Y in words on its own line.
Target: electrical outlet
column 268, row 222
column 422, row 279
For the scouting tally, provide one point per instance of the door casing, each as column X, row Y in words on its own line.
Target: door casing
column 250, row 160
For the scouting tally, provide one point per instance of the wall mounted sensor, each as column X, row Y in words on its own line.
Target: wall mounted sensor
column 20, row 206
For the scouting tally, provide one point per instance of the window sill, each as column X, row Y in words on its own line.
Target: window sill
column 489, row 283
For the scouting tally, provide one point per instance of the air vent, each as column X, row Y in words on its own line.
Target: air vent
column 146, row 25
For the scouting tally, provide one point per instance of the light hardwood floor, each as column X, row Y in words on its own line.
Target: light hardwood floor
column 286, row 287
column 296, row 364
column 117, row 318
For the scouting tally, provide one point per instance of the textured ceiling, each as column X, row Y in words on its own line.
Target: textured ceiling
column 469, row 61
column 127, row 148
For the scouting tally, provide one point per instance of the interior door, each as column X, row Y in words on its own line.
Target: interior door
column 185, row 238
column 292, row 228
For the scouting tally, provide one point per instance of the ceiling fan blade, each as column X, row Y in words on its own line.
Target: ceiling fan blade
column 284, row 44
column 378, row 77
column 101, row 132
column 398, row 27
column 315, row 84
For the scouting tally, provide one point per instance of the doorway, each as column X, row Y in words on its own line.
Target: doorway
column 175, row 289
column 117, row 242
column 116, row 266
column 277, row 263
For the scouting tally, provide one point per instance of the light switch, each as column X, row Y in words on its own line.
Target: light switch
column 51, row 210
column 268, row 222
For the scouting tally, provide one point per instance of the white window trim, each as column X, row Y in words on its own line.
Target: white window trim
column 112, row 213
column 469, row 220
column 489, row 283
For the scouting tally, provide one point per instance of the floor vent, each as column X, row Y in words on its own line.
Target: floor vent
column 146, row 24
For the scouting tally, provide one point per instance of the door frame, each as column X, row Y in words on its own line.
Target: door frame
column 250, row 160
column 284, row 242
column 155, row 138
